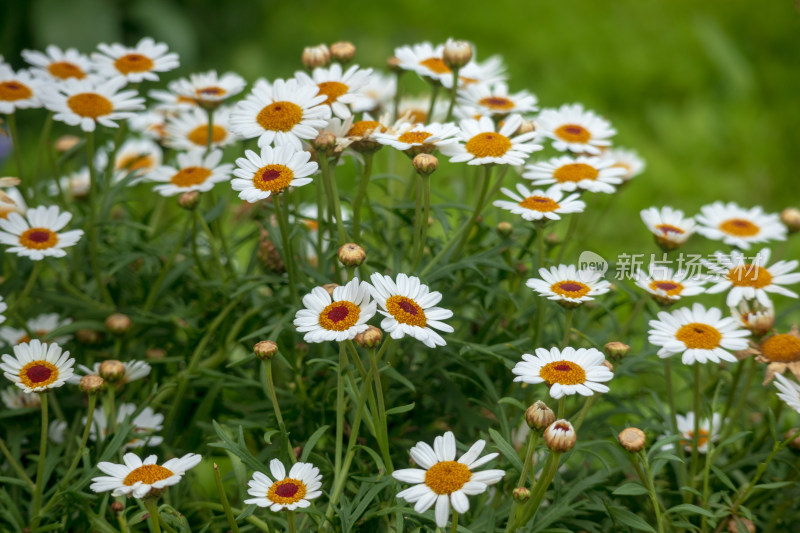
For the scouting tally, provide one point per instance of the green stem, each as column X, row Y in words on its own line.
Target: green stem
column 332, row 187
column 540, row 489
column 212, row 242
column 584, row 411
column 647, row 479
column 290, row 521
column 426, row 198
column 92, row 229
column 15, row 465
column 487, row 177
column 339, row 410
column 288, row 256
column 454, row 526
column 383, row 422
column 567, row 327
column 12, row 128
column 151, row 297
column 673, row 418
column 529, row 453
column 224, row 499
column 37, row 492
column 210, row 138
column 152, row 508
column 417, row 180
column 573, row 223
column 362, row 193
column 562, row 408
column 396, row 100
column 432, row 105
column 277, row 408
column 453, row 93
column 37, row 268
column 698, row 402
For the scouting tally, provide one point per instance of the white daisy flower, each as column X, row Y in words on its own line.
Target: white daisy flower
column 668, row 226
column 170, row 101
column 290, row 492
column 14, row 398
column 36, row 236
column 153, row 124
column 751, row 278
column 756, row 317
column 135, row 157
column 708, row 431
column 37, row 366
column 39, row 326
column 418, row 138
column 738, row 226
column 134, row 370
column 208, row 89
column 495, row 99
column 138, row 478
column 55, row 64
column 3, row 307
column 485, row 72
column 134, row 64
column 335, row 319
column 484, row 145
column 628, row 160
column 444, row 481
column 57, row 431
column 190, row 130
column 18, row 90
column 781, row 352
column 566, row 372
column 415, row 110
column 424, row 59
column 594, row 174
column 75, row 185
column 11, row 201
column 540, row 205
column 789, row 392
column 569, row 286
column 666, row 285
column 408, row 309
column 698, row 334
column 341, row 89
column 377, row 94
column 143, row 426
column 272, row 172
column 85, row 102
column 195, row 171
column 575, row 129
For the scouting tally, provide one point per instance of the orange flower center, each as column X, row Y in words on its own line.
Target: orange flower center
column 563, row 373
column 332, row 90
column 11, row 91
column 364, row 128
column 703, row 437
column 64, row 70
column 287, row 491
column 749, row 275
column 575, row 172
column 739, row 227
column 199, row 135
column 406, row 311
column 699, row 336
column 539, row 203
column 147, row 474
column 666, row 229
column 133, row 63
column 38, row 238
column 414, row 137
column 273, row 178
column 186, row 177
column 496, row 103
column 446, row 477
column 133, row 162
column 90, row 105
column 339, row 316
column 573, row 133
column 204, row 92
column 435, row 64
column 488, row 144
column 38, row 374
column 570, row 289
column 781, row 348
column 670, row 287
column 280, row 116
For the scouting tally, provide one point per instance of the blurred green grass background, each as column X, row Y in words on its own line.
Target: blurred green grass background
column 705, row 91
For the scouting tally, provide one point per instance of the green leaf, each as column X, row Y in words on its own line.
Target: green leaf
column 400, row 409
column 630, row 489
column 689, row 508
column 311, row 442
column 631, row 520
column 506, row 449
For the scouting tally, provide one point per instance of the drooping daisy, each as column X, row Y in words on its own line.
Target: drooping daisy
column 143, row 425
column 39, row 326
column 574, row 129
column 569, row 286
column 135, row 64
column 738, row 226
column 483, row 145
column 698, row 334
column 190, row 130
column 593, row 174
column 336, row 318
column 444, row 481
column 272, row 172
column 136, row 158
column 495, row 99
column 55, row 64
column 138, row 478
column 424, row 59
column 566, row 372
column 708, row 431
column 754, row 316
column 290, row 492
column 14, row 398
column 781, row 352
column 85, row 103
column 487, row 72
column 789, row 392
column 36, row 236
column 134, row 370
column 376, row 94
column 37, row 366
column 419, row 138
column 666, row 285
column 11, row 201
column 668, row 226
column 408, row 308
column 18, row 90
column 751, row 279
column 170, row 101
column 627, row 160
column 538, row 204
column 281, row 113
column 208, row 89
column 195, row 171
column 341, row 89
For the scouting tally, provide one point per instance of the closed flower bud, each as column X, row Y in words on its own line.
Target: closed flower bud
column 351, row 255
column 791, row 218
column 795, row 442
column 91, row 384
column 504, row 229
column 606, row 363
column 526, row 126
column 425, row 164
column 265, row 350
column 343, row 51
column 324, row 141
column 393, row 64
column 9, row 181
column 112, row 370
column 118, row 323
column 456, row 54
column 117, row 507
column 560, row 436
column 539, row 416
column 155, row 353
column 370, row 338
column 521, row 494
column 632, row 439
column 66, row 143
column 329, row 287
column 616, row 349
column 88, row 336
column 552, row 239
column 736, row 523
column 189, row 200
column 316, row 56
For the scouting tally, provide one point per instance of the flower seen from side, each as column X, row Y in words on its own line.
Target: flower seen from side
column 273, row 171
column 341, row 88
column 788, row 391
column 141, row 479
column 496, row 100
column 568, row 285
column 137, row 63
column 208, row 89
column 55, row 64
column 190, row 129
column 291, row 491
column 738, row 226
column 37, row 366
column 538, row 204
column 574, row 129
column 749, row 278
column 668, row 286
column 482, row 144
column 337, row 317
column 669, row 226
column 593, row 174
column 38, row 235
column 195, row 171
column 18, row 90
column 89, row 102
column 566, row 372
column 781, row 352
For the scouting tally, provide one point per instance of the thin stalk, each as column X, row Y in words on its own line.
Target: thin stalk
column 673, row 418
column 486, row 179
column 396, row 100
column 290, row 520
column 210, row 138
column 337, row 207
column 384, row 426
column 152, row 508
column 698, row 402
column 453, row 93
column 123, row 522
column 151, row 297
column 37, row 491
column 16, row 466
column 562, row 408
column 37, row 268
column 277, row 408
column 540, row 489
column 454, row 526
column 288, row 259
column 92, row 229
column 584, row 411
column 573, row 223
column 212, row 242
column 432, row 105
column 12, row 128
column 417, row 215
column 526, row 467
column 339, row 410
column 647, row 479
column 226, row 506
column 567, row 327
column 362, row 193
column 426, row 209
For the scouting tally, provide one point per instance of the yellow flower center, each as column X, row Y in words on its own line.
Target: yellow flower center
column 739, row 227
column 749, row 275
column 781, row 348
column 186, row 177
column 332, row 90
column 414, row 137
column 488, row 144
column 363, row 128
column 446, row 477
column 575, row 172
column 339, row 316
column 573, row 133
column 23, row 339
column 65, row 70
column 563, row 373
column 147, row 474
column 131, row 162
column 496, row 103
column 406, row 311
column 539, row 203
column 624, row 166
column 38, row 238
column 666, row 229
column 703, row 438
column 699, row 336
column 287, row 491
column 11, row 91
column 90, row 105
column 435, row 64
column 570, row 289
column 416, row 116
column 280, row 116
column 671, row 288
column 38, row 374
column 133, row 63
column 199, row 135
column 273, row 178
